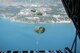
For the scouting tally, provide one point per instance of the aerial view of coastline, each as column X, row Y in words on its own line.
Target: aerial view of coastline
column 32, row 13
column 34, row 25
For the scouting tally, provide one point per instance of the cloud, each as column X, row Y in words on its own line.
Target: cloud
column 23, row 2
column 10, row 2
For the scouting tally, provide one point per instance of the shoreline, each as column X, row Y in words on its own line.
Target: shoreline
column 37, row 21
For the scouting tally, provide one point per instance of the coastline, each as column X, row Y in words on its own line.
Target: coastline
column 52, row 22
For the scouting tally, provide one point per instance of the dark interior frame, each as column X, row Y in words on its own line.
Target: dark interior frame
column 72, row 8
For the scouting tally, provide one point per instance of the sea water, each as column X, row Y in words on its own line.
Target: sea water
column 21, row 36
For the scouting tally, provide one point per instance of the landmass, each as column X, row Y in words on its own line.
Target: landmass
column 35, row 14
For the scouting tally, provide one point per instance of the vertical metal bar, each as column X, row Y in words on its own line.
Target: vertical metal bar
column 76, row 42
column 73, row 42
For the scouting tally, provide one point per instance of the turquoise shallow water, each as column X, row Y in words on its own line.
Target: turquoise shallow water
column 21, row 36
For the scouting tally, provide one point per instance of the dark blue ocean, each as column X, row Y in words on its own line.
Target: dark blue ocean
column 21, row 36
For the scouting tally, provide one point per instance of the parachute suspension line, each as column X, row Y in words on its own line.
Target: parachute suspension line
column 37, row 41
column 39, row 30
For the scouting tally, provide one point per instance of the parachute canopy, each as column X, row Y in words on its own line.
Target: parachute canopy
column 39, row 29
